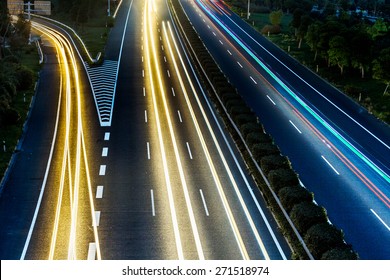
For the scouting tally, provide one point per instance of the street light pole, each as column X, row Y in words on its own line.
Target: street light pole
column 247, row 15
column 108, row 7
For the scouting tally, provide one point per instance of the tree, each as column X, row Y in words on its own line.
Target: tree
column 339, row 53
column 313, row 38
column 296, row 20
column 361, row 51
column 302, row 30
column 381, row 68
column 380, row 28
column 275, row 17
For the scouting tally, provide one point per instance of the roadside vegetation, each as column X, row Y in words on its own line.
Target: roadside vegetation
column 345, row 42
column 18, row 73
column 272, row 171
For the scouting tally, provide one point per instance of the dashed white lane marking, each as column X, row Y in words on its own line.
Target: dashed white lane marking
column 91, row 251
column 208, row 26
column 189, row 150
column 106, row 136
column 204, row 202
column 142, row 58
column 165, row 58
column 253, row 80
column 178, row 112
column 97, row 218
column 146, row 116
column 143, row 73
column 240, row 64
column 104, row 152
column 300, row 132
column 334, row 169
column 102, row 170
column 169, row 74
column 204, row 20
column 270, row 99
column 173, row 92
column 220, row 42
column 99, row 192
column 148, row 149
column 214, row 33
column 152, row 199
column 162, row 47
column 144, row 91
column 229, row 52
column 380, row 219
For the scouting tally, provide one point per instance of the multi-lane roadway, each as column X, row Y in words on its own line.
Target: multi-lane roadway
column 136, row 163
column 340, row 151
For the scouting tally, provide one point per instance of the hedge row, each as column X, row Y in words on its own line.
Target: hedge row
column 322, row 239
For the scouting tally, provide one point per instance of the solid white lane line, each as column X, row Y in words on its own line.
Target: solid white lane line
column 240, row 64
column 380, row 219
column 152, row 199
column 334, row 169
column 189, row 150
column 270, row 99
column 229, row 52
column 99, row 192
column 253, row 79
column 204, row 202
column 97, row 218
column 169, row 74
column 173, row 92
column 300, row 132
column 102, row 170
column 104, row 152
column 148, row 149
column 146, row 116
column 178, row 112
column 106, row 136
column 91, row 251
column 144, row 91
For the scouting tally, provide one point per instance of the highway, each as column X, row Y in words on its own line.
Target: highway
column 339, row 150
column 136, row 163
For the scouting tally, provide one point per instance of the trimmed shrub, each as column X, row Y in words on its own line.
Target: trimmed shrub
column 249, row 128
column 281, row 178
column 306, row 214
column 323, row 237
column 274, row 162
column 260, row 150
column 234, row 102
column 25, row 78
column 241, row 119
column 238, row 110
column 257, row 137
column 340, row 253
column 290, row 196
column 272, row 29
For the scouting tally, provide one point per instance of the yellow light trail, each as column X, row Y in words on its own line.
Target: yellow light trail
column 179, row 247
column 209, row 159
column 64, row 50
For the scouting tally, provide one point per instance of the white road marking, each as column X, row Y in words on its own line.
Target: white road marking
column 189, row 150
column 271, row 100
column 144, row 91
column 97, row 218
column 173, row 92
column 165, row 58
column 91, row 252
column 143, row 73
column 178, row 112
column 220, row 42
column 300, row 132
column 229, row 52
column 146, row 116
column 142, row 58
column 334, row 169
column 240, row 64
column 104, row 152
column 162, row 47
column 253, row 79
column 152, row 198
column 169, row 74
column 106, row 136
column 204, row 202
column 102, row 170
column 208, row 26
column 380, row 219
column 99, row 192
column 214, row 33
column 204, row 20
column 160, row 38
column 148, row 149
